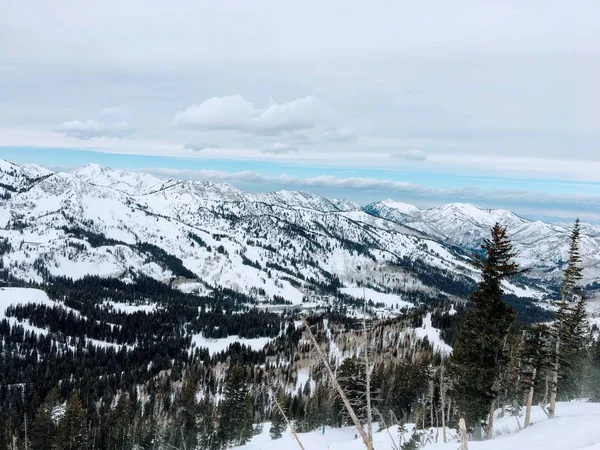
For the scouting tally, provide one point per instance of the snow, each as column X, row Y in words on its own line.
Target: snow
column 432, row 334
column 136, row 207
column 23, row 296
column 218, row 345
column 403, row 208
column 391, row 300
column 130, row 309
column 574, row 428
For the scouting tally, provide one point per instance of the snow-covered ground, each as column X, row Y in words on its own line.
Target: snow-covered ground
column 391, row 300
column 22, row 296
column 218, row 345
column 130, row 309
column 576, row 427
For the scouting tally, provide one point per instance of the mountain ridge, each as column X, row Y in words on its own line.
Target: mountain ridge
column 267, row 244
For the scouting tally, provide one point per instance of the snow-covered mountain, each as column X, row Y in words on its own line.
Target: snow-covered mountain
column 540, row 246
column 202, row 235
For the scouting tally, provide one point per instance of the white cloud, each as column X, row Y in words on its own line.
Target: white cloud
column 200, row 146
column 119, row 111
column 90, row 129
column 236, row 113
column 279, row 148
column 528, row 203
column 218, row 113
column 411, row 155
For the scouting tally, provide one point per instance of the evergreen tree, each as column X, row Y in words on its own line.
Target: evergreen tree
column 573, row 273
column 187, row 414
column 594, row 373
column 235, row 425
column 478, row 356
column 43, row 429
column 278, row 424
column 571, row 330
column 72, row 430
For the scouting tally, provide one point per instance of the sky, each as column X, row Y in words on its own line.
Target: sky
column 489, row 102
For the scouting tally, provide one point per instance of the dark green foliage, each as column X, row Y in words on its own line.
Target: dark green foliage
column 594, row 372
column 72, row 429
column 478, row 358
column 235, row 424
column 278, row 424
column 414, row 443
column 573, row 273
column 571, row 328
column 43, row 429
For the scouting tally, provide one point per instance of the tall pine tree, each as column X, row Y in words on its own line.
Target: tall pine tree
column 235, row 425
column 478, row 356
column 72, row 431
column 570, row 330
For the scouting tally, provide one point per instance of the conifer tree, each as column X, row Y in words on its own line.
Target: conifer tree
column 235, row 425
column 72, row 430
column 478, row 355
column 594, row 374
column 573, row 273
column 43, row 429
column 278, row 424
column 570, row 327
column 187, row 413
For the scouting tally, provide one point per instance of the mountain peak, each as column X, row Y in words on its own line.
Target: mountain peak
column 404, row 208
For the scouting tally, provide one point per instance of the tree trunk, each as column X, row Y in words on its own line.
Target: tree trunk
column 368, row 378
column 443, row 403
column 554, row 385
column 464, row 439
column 491, row 421
column 530, row 398
column 368, row 442
column 431, row 395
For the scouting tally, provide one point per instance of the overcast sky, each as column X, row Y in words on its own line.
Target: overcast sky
column 490, row 102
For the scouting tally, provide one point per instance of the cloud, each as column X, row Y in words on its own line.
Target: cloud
column 119, row 111
column 218, row 113
column 411, row 155
column 90, row 129
column 200, row 146
column 531, row 203
column 280, row 149
column 236, row 113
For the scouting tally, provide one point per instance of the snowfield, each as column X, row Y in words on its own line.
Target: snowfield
column 218, row 345
column 390, row 300
column 23, row 296
column 576, row 427
column 89, row 220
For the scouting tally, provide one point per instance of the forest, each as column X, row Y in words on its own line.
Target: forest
column 147, row 386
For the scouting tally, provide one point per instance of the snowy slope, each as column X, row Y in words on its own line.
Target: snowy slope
column 96, row 220
column 266, row 245
column 574, row 428
column 540, row 246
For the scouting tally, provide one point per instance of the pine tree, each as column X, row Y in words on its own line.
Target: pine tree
column 278, row 424
column 43, row 429
column 72, row 430
column 573, row 274
column 570, row 328
column 235, row 425
column 479, row 357
column 594, row 374
column 187, row 414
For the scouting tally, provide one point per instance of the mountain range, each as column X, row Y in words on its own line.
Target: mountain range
column 287, row 245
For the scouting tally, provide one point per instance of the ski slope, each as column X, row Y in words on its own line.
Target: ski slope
column 576, row 427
